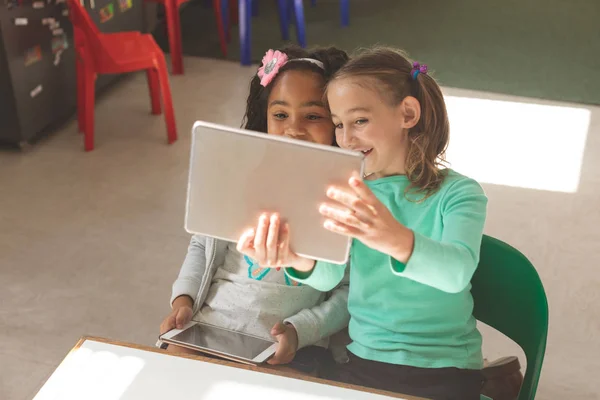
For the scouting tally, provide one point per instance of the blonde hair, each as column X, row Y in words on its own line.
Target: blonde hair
column 391, row 73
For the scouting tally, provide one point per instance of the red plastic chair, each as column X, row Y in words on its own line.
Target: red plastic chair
column 173, row 22
column 116, row 53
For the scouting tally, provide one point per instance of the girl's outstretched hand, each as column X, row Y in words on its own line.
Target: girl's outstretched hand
column 269, row 245
column 357, row 213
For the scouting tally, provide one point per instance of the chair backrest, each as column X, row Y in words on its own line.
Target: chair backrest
column 509, row 296
column 87, row 33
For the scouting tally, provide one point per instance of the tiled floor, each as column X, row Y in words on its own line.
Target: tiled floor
column 91, row 242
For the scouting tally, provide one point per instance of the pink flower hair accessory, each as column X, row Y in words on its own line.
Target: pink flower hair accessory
column 271, row 62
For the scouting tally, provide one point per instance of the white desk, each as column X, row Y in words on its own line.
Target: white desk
column 99, row 369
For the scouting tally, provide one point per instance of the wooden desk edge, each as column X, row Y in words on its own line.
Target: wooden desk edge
column 232, row 364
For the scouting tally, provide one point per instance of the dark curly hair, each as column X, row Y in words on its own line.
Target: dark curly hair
column 333, row 59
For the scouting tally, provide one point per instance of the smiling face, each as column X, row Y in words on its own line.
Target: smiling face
column 366, row 121
column 295, row 108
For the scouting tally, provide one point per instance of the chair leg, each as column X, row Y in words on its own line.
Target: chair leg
column 284, row 19
column 345, row 12
column 154, row 86
column 90, row 100
column 170, row 11
column 219, row 15
column 300, row 27
column 245, row 20
column 80, row 72
column 167, row 100
column 234, row 12
column 226, row 19
column 177, row 18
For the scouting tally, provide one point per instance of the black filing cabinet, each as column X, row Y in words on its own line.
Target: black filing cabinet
column 37, row 60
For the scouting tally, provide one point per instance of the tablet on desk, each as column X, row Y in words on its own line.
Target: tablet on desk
column 222, row 342
column 235, row 175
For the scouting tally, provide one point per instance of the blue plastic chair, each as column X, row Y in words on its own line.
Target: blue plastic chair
column 292, row 12
column 295, row 14
column 345, row 12
column 286, row 9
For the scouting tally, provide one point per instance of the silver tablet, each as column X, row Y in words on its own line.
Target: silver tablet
column 235, row 175
column 221, row 342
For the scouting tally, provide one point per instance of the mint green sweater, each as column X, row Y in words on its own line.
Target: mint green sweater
column 419, row 313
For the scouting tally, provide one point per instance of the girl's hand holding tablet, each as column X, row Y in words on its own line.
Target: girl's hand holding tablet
column 359, row 214
column 269, row 245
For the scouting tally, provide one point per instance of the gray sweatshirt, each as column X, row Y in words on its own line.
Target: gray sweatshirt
column 212, row 275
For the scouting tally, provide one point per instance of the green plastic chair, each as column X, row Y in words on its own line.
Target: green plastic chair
column 509, row 297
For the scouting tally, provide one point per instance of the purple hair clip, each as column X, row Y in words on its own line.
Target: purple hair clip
column 418, row 69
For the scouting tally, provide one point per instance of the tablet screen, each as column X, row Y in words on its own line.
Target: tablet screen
column 223, row 341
